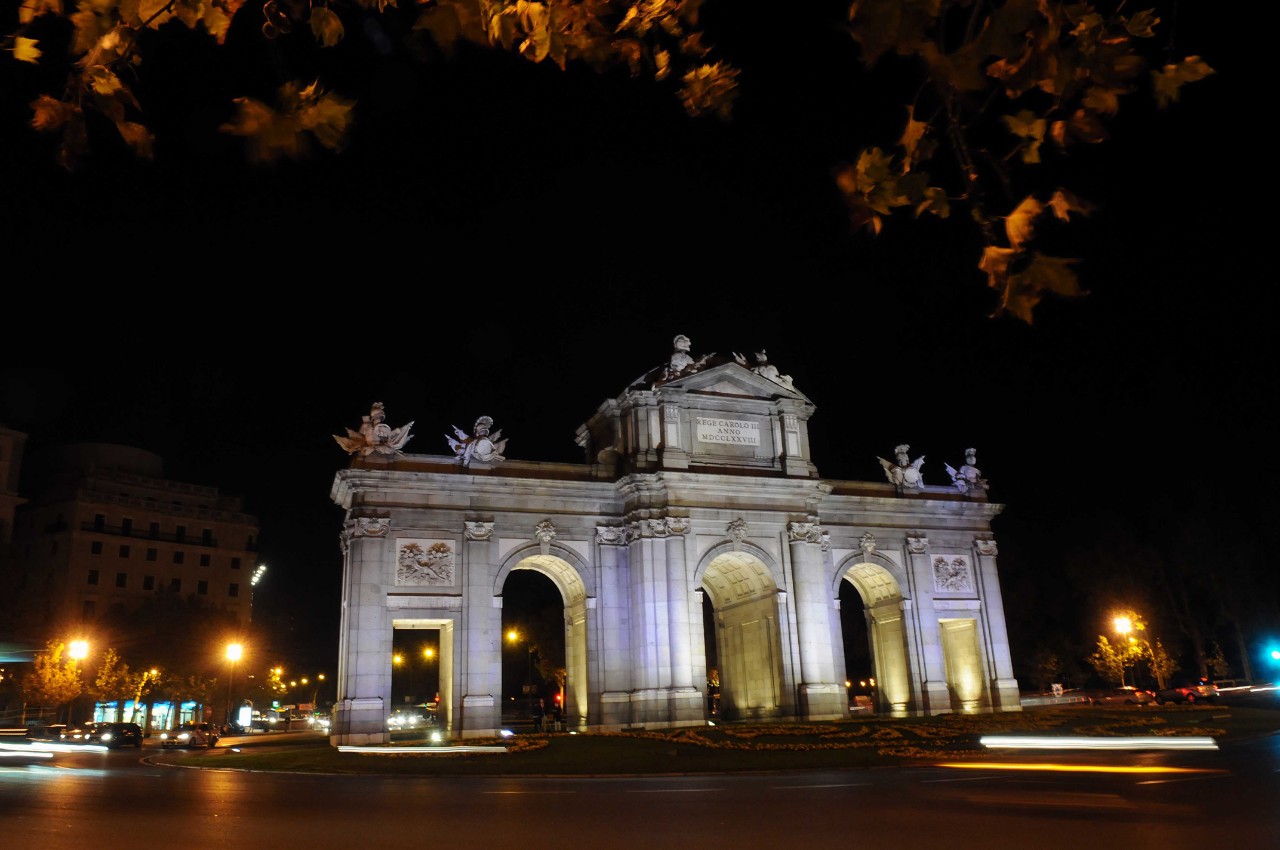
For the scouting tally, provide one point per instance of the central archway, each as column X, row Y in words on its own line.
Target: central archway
column 748, row 639
column 573, row 594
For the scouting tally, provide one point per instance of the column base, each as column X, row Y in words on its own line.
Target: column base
column 359, row 722
column 826, row 701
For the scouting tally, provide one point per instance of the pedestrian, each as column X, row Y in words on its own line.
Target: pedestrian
column 539, row 715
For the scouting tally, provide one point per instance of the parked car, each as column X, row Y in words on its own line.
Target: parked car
column 1125, row 694
column 1199, row 691
column 116, row 735
column 191, row 735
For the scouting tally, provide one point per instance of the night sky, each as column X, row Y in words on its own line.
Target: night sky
column 514, row 241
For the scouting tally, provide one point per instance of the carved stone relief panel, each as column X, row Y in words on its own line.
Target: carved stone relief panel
column 425, row 562
column 952, row 574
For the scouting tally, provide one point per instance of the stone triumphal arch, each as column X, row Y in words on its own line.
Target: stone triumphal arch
column 698, row 498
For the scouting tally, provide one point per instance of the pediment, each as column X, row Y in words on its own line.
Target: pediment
column 731, row 379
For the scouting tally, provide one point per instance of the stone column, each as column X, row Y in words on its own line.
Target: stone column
column 478, row 671
column 821, row 695
column 611, row 664
column 1005, row 695
column 364, row 677
column 685, row 699
column 650, row 649
column 927, row 657
column 655, row 609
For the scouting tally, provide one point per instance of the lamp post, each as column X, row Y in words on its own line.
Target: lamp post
column 514, row 637
column 315, row 695
column 1123, row 626
column 235, row 652
column 77, row 651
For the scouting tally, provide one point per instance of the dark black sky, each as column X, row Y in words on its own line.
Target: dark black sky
column 515, row 241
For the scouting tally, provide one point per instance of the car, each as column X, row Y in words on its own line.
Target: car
column 1125, row 694
column 116, row 735
column 46, row 732
column 77, row 733
column 1200, row 691
column 191, row 735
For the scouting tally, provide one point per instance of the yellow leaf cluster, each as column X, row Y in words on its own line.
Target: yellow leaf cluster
column 309, row 112
column 710, row 89
column 1170, row 79
column 25, row 50
column 32, row 9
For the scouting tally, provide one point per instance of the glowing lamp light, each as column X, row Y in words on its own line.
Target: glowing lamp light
column 257, row 575
column 78, row 649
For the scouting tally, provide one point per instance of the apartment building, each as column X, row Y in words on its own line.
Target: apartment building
column 12, row 444
column 103, row 528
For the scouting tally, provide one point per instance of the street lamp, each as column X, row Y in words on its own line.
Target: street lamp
column 514, row 637
column 235, row 652
column 77, row 651
column 1123, row 626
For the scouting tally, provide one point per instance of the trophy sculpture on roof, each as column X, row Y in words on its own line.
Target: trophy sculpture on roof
column 375, row 436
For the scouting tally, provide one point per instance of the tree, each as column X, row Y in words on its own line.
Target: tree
column 989, row 99
column 1111, row 661
column 1108, row 660
column 114, row 681
column 1047, row 669
column 53, row 680
column 1162, row 664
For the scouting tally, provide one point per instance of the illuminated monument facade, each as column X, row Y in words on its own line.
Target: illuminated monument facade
column 698, row 483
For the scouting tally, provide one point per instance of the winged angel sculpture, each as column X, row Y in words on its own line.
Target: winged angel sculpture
column 904, row 473
column 375, row 436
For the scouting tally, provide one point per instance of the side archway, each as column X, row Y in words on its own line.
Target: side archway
column 878, row 583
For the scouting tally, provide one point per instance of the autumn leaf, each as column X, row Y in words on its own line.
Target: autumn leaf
column 1170, row 79
column 1025, row 289
column 1030, row 128
column 911, row 139
column 1020, row 225
column 326, row 26
column 995, row 262
column 137, row 137
column 25, row 50
column 883, row 26
column 662, row 64
column 444, row 25
column 32, row 9
column 934, row 200
column 710, row 89
column 217, row 20
column 1063, row 203
column 50, row 114
column 1142, row 24
column 536, row 19
column 102, row 81
column 327, row 118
